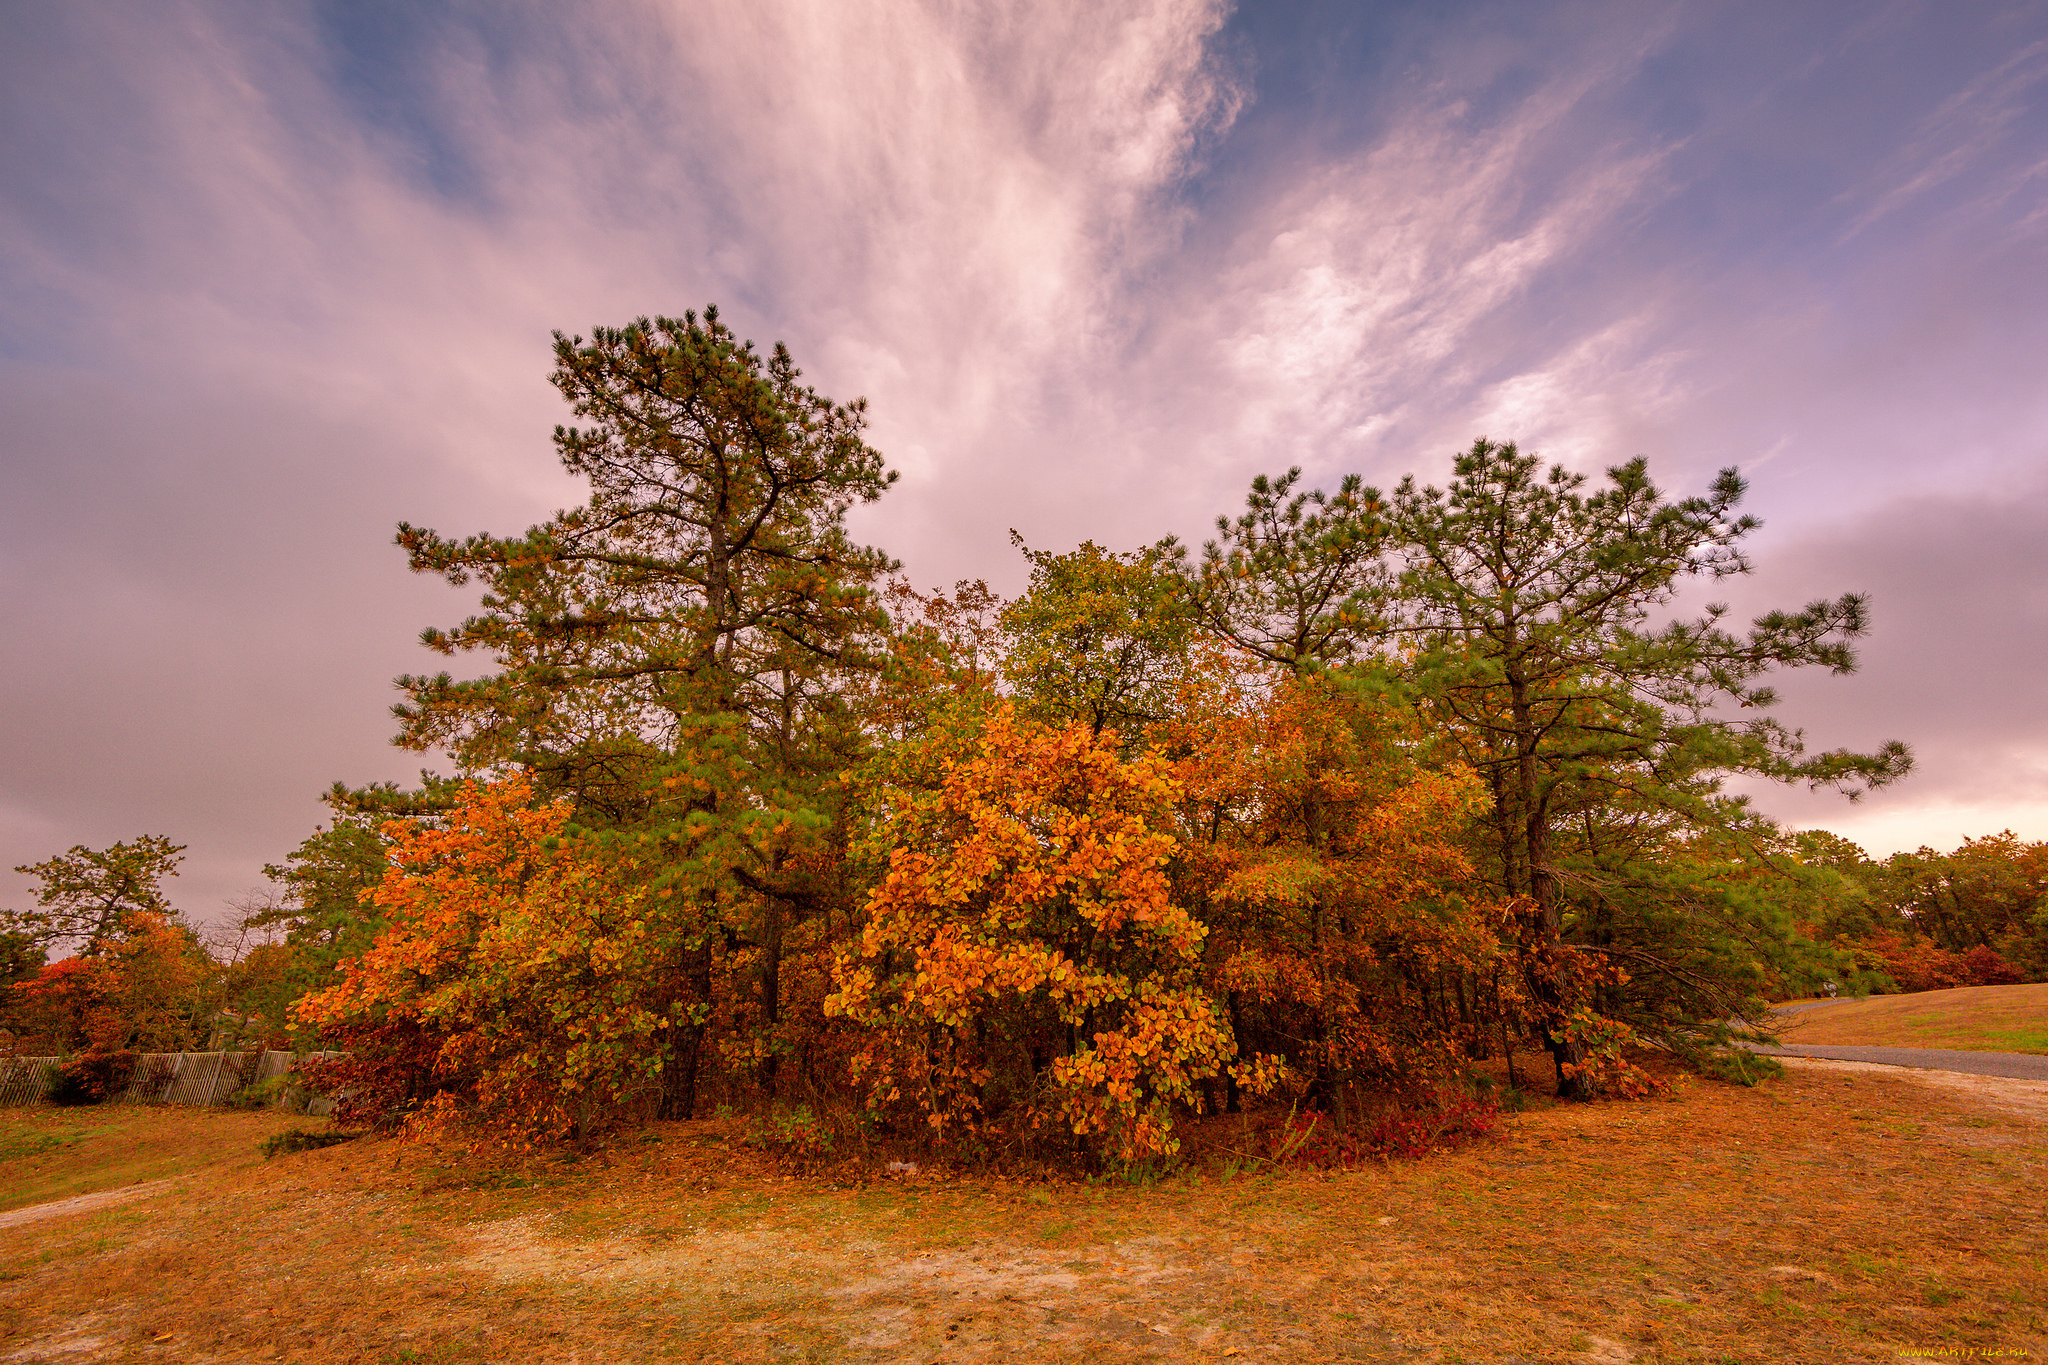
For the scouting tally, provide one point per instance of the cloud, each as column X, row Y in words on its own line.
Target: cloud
column 281, row 276
column 1964, row 132
column 1953, row 664
column 1362, row 311
column 275, row 312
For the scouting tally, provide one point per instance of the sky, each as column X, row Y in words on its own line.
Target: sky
column 277, row 276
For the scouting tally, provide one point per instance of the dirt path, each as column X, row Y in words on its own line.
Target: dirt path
column 81, row 1203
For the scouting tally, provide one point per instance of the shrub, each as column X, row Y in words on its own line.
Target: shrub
column 1738, row 1066
column 92, row 1078
column 798, row 1136
column 300, row 1140
column 258, row 1094
column 1987, row 968
column 384, row 1075
column 1920, row 965
column 1418, row 1133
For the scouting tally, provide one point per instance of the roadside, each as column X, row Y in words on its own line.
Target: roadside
column 2004, row 1019
column 2024, row 1099
column 2014, row 1065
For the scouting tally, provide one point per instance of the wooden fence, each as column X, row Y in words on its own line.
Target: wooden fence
column 195, row 1078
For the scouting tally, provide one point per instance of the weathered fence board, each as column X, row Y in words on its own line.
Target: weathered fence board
column 25, row 1080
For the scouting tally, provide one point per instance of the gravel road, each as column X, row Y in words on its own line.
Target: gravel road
column 2017, row 1065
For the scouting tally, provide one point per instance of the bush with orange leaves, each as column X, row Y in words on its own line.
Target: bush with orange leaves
column 1919, row 964
column 1028, row 976
column 520, row 977
column 1351, row 934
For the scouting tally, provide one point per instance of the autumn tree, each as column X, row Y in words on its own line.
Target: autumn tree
column 153, row 989
column 1349, row 934
column 1025, row 970
column 1531, row 603
column 520, row 979
column 93, row 897
column 944, row 651
column 1099, row 636
column 1988, row 893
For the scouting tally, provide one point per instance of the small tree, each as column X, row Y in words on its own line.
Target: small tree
column 1348, row 932
column 92, row 897
column 153, row 990
column 520, row 978
column 20, row 958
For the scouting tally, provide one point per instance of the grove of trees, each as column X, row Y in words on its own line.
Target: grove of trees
column 140, row 978
column 1375, row 785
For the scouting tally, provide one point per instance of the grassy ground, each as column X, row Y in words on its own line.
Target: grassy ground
column 1973, row 1019
column 1831, row 1216
column 48, row 1154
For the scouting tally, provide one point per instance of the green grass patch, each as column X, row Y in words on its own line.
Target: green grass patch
column 1970, row 1019
column 26, row 1146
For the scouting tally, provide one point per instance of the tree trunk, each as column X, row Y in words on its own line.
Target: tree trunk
column 686, row 1050
column 1546, row 922
column 771, row 987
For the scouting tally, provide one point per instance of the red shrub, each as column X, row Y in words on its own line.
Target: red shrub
column 1987, row 968
column 1311, row 1140
column 1916, row 964
column 387, row 1072
column 92, row 1078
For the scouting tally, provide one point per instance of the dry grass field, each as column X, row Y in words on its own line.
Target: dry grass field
column 1839, row 1214
column 1972, row 1019
column 50, row 1154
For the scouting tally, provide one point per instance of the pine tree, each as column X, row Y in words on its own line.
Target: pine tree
column 1531, row 603
column 1299, row 580
column 673, row 655
column 91, row 897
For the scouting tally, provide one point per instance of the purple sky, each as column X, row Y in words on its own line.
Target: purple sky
column 277, row 276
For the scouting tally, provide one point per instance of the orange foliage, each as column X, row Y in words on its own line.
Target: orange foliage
column 531, row 965
column 1916, row 964
column 1025, row 964
column 1328, row 858
column 149, row 990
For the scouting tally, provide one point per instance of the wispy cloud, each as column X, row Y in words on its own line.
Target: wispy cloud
column 1964, row 132
column 279, row 277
